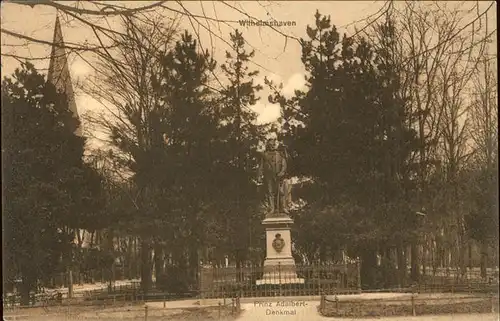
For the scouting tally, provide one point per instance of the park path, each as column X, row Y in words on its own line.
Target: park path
column 308, row 311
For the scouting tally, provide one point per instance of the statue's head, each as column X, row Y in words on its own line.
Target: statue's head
column 272, row 144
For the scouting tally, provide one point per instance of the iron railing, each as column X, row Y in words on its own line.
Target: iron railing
column 279, row 280
column 408, row 304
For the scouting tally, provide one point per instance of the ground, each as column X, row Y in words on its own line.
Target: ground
column 295, row 309
column 285, row 308
column 394, row 304
column 309, row 313
column 183, row 310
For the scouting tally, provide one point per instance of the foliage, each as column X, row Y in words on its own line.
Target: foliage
column 242, row 136
column 190, row 166
column 48, row 189
column 482, row 221
column 348, row 132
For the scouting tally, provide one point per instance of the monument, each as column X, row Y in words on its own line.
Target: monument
column 279, row 265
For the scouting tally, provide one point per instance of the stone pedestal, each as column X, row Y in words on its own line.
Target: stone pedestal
column 279, row 265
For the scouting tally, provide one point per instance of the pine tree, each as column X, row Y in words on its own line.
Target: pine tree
column 243, row 136
column 347, row 133
column 191, row 132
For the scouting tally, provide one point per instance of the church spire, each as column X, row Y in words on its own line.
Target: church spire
column 58, row 73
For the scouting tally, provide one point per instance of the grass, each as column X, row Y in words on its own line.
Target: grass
column 131, row 312
column 200, row 314
column 379, row 308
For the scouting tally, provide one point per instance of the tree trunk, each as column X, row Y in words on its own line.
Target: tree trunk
column 462, row 250
column 109, row 246
column 401, row 259
column 69, row 266
column 388, row 266
column 158, row 260
column 137, row 257
column 432, row 255
column 368, row 268
column 146, row 266
column 443, row 255
column 25, row 287
column 469, row 257
column 238, row 259
column 322, row 253
column 70, row 282
column 193, row 264
column 484, row 259
column 128, row 259
column 415, row 262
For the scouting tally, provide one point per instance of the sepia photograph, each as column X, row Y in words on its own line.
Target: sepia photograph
column 249, row 160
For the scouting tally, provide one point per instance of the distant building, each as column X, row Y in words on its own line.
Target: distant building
column 59, row 74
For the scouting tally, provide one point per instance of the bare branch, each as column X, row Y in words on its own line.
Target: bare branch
column 106, row 10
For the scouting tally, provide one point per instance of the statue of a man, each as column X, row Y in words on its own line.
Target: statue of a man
column 273, row 168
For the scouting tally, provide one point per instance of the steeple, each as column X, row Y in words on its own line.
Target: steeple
column 58, row 73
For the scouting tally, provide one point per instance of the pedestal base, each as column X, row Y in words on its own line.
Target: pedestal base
column 284, row 281
column 279, row 271
column 279, row 265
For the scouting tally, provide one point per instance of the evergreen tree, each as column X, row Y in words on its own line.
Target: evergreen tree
column 242, row 134
column 48, row 189
column 347, row 133
column 191, row 136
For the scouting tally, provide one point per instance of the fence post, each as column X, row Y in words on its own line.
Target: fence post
column 164, row 301
column 358, row 267
column 337, row 303
column 322, row 303
column 145, row 313
column 219, row 309
column 413, row 310
column 492, row 303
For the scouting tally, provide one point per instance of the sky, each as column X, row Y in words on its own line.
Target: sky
column 275, row 57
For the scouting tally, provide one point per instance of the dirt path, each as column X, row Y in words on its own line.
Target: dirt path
column 308, row 310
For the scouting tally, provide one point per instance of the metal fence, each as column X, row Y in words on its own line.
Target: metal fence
column 445, row 276
column 280, row 280
column 216, row 310
column 365, row 304
column 228, row 282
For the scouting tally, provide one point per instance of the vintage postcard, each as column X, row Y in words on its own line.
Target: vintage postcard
column 249, row 160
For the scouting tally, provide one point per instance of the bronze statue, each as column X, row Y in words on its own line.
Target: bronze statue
column 273, row 169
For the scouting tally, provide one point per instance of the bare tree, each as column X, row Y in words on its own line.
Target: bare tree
column 484, row 137
column 436, row 49
column 443, row 56
column 483, row 113
column 124, row 83
column 454, row 80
